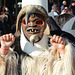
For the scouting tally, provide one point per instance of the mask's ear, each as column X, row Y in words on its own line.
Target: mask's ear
column 47, row 29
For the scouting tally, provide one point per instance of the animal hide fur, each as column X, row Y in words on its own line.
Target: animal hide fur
column 47, row 63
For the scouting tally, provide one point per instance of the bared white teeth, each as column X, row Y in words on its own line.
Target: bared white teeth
column 35, row 30
column 32, row 30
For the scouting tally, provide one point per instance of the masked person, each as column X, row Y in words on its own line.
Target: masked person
column 33, row 53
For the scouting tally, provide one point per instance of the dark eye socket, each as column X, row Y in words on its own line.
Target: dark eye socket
column 24, row 23
column 39, row 22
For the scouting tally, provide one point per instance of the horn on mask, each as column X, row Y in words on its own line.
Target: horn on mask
column 27, row 11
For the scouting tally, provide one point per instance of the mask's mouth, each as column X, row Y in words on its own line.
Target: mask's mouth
column 33, row 30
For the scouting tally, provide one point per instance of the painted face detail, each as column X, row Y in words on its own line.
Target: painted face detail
column 35, row 26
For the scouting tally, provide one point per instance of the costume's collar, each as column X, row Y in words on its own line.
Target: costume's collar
column 38, row 48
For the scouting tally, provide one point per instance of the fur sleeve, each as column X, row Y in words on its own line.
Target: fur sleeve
column 69, row 59
column 66, row 64
column 11, row 64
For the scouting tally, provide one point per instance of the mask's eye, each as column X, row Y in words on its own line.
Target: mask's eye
column 24, row 23
column 39, row 22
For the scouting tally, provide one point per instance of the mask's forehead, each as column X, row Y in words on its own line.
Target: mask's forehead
column 35, row 15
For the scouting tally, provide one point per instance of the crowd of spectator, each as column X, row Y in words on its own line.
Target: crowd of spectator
column 5, row 21
column 59, row 15
column 64, row 14
column 64, row 8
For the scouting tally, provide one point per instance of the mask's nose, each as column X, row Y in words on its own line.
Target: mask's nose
column 32, row 24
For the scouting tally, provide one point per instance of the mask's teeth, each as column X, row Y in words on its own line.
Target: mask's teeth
column 35, row 30
column 32, row 30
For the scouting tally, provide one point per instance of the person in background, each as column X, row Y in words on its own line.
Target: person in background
column 64, row 11
column 66, row 8
column 64, row 3
column 69, row 11
column 3, row 17
column 9, row 19
column 7, row 13
column 72, row 6
column 1, row 10
column 50, row 5
column 55, row 10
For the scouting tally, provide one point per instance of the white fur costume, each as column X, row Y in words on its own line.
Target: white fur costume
column 40, row 59
column 49, row 63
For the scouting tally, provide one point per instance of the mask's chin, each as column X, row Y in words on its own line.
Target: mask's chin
column 34, row 39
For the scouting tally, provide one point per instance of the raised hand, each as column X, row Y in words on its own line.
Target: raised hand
column 58, row 43
column 7, row 40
